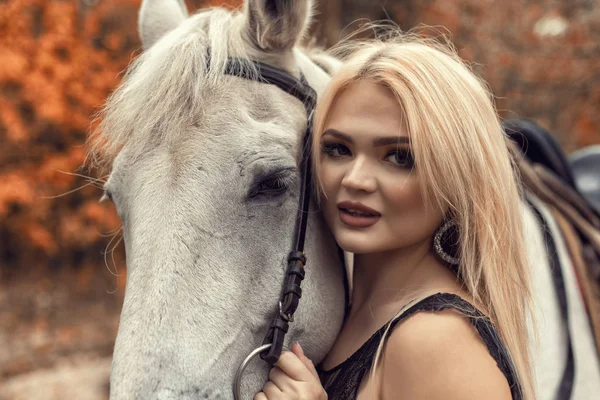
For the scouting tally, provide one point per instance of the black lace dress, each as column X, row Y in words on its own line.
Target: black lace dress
column 342, row 382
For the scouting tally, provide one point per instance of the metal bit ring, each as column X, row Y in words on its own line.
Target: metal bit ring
column 237, row 381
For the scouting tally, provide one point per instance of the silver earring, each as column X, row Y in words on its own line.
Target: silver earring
column 448, row 227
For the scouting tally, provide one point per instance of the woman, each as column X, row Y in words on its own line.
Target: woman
column 416, row 180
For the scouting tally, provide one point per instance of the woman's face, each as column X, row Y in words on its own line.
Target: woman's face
column 372, row 198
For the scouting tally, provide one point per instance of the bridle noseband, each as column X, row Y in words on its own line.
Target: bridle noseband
column 291, row 292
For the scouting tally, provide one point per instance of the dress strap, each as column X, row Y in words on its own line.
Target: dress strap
column 443, row 301
column 342, row 382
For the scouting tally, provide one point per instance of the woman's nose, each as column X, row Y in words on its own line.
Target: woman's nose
column 359, row 177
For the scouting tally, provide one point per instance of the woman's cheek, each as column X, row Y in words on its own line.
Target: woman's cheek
column 328, row 173
column 329, row 188
column 410, row 209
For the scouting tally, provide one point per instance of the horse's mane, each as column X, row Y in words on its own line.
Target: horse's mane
column 163, row 90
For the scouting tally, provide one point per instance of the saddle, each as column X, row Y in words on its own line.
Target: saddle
column 547, row 173
column 585, row 164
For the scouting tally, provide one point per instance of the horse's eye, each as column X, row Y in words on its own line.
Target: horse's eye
column 272, row 185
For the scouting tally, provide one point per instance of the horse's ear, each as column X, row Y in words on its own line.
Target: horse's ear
column 277, row 25
column 157, row 17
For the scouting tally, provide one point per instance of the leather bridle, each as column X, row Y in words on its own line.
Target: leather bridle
column 272, row 345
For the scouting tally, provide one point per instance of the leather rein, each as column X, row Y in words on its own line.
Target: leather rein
column 272, row 345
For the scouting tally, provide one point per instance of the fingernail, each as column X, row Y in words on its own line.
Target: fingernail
column 300, row 347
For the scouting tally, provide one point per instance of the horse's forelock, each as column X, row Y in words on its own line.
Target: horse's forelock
column 164, row 89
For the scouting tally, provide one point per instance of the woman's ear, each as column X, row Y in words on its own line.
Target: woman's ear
column 277, row 25
column 157, row 17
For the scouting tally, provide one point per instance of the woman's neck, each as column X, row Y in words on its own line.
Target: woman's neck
column 386, row 280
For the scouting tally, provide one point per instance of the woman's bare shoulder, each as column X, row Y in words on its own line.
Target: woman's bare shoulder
column 435, row 355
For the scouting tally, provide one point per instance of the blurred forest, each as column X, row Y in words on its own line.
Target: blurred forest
column 61, row 284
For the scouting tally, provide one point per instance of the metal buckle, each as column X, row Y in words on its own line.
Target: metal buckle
column 286, row 317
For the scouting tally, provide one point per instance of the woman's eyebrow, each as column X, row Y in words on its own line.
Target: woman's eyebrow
column 377, row 142
column 384, row 141
column 338, row 134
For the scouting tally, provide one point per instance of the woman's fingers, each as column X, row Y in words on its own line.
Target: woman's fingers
column 280, row 379
column 299, row 352
column 293, row 376
column 272, row 391
column 260, row 396
column 294, row 367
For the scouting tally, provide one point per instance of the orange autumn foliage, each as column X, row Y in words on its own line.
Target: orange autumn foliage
column 59, row 60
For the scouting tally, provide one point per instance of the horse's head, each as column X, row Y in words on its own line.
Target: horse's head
column 205, row 180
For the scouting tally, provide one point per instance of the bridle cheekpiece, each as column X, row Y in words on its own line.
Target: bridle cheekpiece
column 272, row 345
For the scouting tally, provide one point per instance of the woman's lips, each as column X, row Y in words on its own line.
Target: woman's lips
column 357, row 215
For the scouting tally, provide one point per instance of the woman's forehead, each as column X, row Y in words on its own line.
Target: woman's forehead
column 366, row 108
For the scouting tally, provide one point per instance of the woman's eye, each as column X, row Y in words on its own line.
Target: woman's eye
column 336, row 150
column 401, row 158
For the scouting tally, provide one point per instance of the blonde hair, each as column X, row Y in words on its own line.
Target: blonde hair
column 463, row 164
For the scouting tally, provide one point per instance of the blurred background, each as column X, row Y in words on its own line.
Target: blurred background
column 62, row 269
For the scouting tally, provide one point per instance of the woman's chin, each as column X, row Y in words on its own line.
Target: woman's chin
column 357, row 245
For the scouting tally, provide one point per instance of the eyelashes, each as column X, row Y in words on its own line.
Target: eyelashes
column 273, row 184
column 335, row 149
column 399, row 157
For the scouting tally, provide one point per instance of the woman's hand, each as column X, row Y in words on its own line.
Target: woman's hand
column 293, row 377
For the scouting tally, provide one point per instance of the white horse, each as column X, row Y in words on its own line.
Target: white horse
column 204, row 178
column 206, row 185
